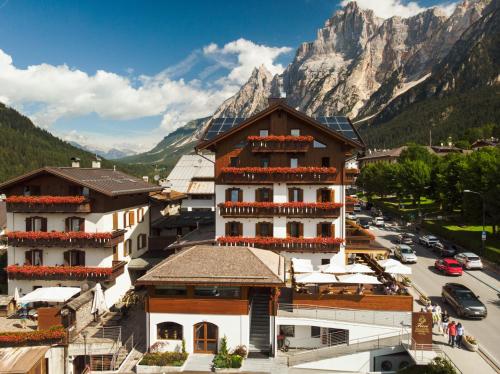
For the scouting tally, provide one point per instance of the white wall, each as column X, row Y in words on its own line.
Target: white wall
column 235, row 328
column 189, row 203
column 57, row 359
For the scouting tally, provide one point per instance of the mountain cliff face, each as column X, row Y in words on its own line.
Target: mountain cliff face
column 360, row 65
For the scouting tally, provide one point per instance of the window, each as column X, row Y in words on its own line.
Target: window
column 263, row 132
column 31, row 191
column 324, row 230
column 74, row 257
column 294, row 229
column 264, row 229
column 234, row 162
column 234, row 194
column 127, row 247
column 325, row 195
column 264, row 162
column 171, row 290
column 215, row 291
column 33, row 257
column 169, row 330
column 325, row 162
column 141, row 241
column 294, row 162
column 295, row 132
column 317, row 144
column 315, row 331
column 264, row 195
column 75, row 224
column 140, row 215
column 287, row 331
column 115, row 221
column 234, row 228
column 75, row 190
column 295, row 195
column 36, row 224
column 325, row 261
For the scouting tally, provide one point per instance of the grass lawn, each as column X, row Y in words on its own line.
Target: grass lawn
column 407, row 210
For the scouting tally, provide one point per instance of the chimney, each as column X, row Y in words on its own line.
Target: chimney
column 276, row 100
column 75, row 162
column 96, row 164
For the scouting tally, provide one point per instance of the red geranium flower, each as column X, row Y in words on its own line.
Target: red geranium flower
column 30, row 271
column 45, row 200
column 280, row 170
column 281, row 138
column 58, row 235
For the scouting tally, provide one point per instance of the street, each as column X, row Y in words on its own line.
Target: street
column 484, row 284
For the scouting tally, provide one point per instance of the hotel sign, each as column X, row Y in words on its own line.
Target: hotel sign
column 421, row 328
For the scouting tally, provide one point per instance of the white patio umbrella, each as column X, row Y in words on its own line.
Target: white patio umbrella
column 388, row 262
column 16, row 295
column 358, row 268
column 315, row 278
column 358, row 279
column 398, row 269
column 302, row 265
column 332, row 268
column 99, row 302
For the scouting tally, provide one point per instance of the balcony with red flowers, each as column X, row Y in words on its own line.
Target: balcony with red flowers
column 284, row 244
column 250, row 175
column 65, row 239
column 350, row 175
column 349, row 204
column 277, row 143
column 48, row 204
column 268, row 209
column 61, row 273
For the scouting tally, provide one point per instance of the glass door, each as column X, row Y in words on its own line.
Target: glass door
column 205, row 337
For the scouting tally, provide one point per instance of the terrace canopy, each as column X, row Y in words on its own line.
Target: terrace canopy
column 358, row 268
column 302, row 265
column 398, row 269
column 388, row 262
column 358, row 279
column 316, row 278
column 50, row 295
column 333, row 268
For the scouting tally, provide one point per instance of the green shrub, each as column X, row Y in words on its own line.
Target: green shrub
column 164, row 359
column 240, row 350
column 225, row 360
column 236, row 361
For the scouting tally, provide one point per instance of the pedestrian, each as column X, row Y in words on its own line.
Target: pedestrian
column 452, row 334
column 445, row 318
column 460, row 335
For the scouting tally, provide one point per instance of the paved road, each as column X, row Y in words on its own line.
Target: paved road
column 484, row 284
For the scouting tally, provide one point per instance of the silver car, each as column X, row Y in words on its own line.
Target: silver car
column 405, row 254
column 469, row 260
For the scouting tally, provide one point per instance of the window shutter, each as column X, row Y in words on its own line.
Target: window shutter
column 332, row 196
column 318, row 230
column 288, row 224
column 125, row 219
column 240, row 195
column 228, row 194
column 332, row 231
column 28, row 224
column 301, row 229
column 115, row 221
column 81, row 258
column 318, row 195
column 28, row 257
column 290, row 194
column 66, row 258
column 82, row 224
column 271, row 230
column 301, row 194
column 131, row 218
column 258, row 229
column 66, row 224
column 44, row 224
column 258, row 194
column 271, row 197
column 140, row 215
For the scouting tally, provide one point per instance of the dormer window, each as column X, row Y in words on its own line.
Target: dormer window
column 31, row 190
column 295, row 132
column 263, row 132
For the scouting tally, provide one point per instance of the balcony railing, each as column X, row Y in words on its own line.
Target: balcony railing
column 48, row 204
column 268, row 209
column 350, row 175
column 65, row 239
column 278, row 174
column 283, row 244
column 280, row 143
column 61, row 273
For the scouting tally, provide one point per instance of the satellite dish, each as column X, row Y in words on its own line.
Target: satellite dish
column 156, row 177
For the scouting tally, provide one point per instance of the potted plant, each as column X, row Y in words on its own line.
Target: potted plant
column 228, row 362
column 470, row 343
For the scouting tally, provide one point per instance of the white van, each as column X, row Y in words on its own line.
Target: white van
column 357, row 208
column 379, row 221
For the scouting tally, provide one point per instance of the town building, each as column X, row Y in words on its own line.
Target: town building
column 71, row 226
column 280, row 180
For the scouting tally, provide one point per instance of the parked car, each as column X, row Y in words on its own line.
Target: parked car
column 448, row 266
column 405, row 238
column 357, row 208
column 469, row 260
column 405, row 254
column 444, row 250
column 428, row 240
column 352, row 216
column 379, row 221
column 463, row 300
column 364, row 223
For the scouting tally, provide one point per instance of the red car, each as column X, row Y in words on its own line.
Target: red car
column 448, row 266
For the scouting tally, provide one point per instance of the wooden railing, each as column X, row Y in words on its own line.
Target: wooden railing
column 279, row 210
column 285, row 244
column 258, row 146
column 292, row 175
column 22, row 207
column 350, row 175
column 59, row 239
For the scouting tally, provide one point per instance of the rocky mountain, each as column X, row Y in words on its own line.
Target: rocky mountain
column 359, row 64
column 111, row 154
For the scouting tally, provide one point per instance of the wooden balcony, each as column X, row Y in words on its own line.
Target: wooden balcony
column 62, row 273
column 299, row 210
column 284, row 244
column 292, row 144
column 48, row 204
column 75, row 239
column 350, row 175
column 249, row 175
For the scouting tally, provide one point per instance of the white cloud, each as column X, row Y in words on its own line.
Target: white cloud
column 390, row 8
column 55, row 92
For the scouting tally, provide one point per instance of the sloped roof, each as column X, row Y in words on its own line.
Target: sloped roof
column 106, row 181
column 20, row 360
column 201, row 187
column 189, row 168
column 202, row 264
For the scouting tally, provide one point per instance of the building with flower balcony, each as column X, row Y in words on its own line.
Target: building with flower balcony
column 69, row 226
column 279, row 180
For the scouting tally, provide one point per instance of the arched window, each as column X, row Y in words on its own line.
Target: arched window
column 127, row 247
column 169, row 330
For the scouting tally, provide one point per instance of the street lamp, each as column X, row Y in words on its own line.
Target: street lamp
column 84, row 334
column 483, row 234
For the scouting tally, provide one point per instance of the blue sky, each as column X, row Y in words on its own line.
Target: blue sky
column 125, row 73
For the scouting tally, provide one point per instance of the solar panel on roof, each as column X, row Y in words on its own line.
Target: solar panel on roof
column 339, row 124
column 221, row 125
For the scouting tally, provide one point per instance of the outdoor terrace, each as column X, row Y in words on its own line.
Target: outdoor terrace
column 268, row 209
column 64, row 238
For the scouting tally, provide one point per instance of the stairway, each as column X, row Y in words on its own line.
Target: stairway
column 259, row 324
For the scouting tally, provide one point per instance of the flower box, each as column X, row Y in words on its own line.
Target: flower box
column 281, row 138
column 269, row 209
column 151, row 369
column 65, row 272
column 51, row 336
column 147, row 363
column 48, row 204
column 278, row 174
column 64, row 239
column 470, row 343
column 45, row 200
column 285, row 244
column 280, row 170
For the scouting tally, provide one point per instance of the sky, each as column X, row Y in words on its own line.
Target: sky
column 123, row 74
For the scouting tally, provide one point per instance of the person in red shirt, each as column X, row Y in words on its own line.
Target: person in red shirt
column 452, row 333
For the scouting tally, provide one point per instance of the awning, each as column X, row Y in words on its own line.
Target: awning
column 358, row 279
column 398, row 269
column 388, row 262
column 302, row 265
column 359, row 268
column 333, row 268
column 50, row 295
column 315, row 278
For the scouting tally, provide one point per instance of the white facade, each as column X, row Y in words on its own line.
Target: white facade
column 94, row 257
column 235, row 327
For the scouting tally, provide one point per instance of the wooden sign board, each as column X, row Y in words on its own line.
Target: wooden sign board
column 421, row 329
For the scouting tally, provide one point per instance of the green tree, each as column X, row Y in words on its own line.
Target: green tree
column 415, row 152
column 415, row 176
column 447, row 181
